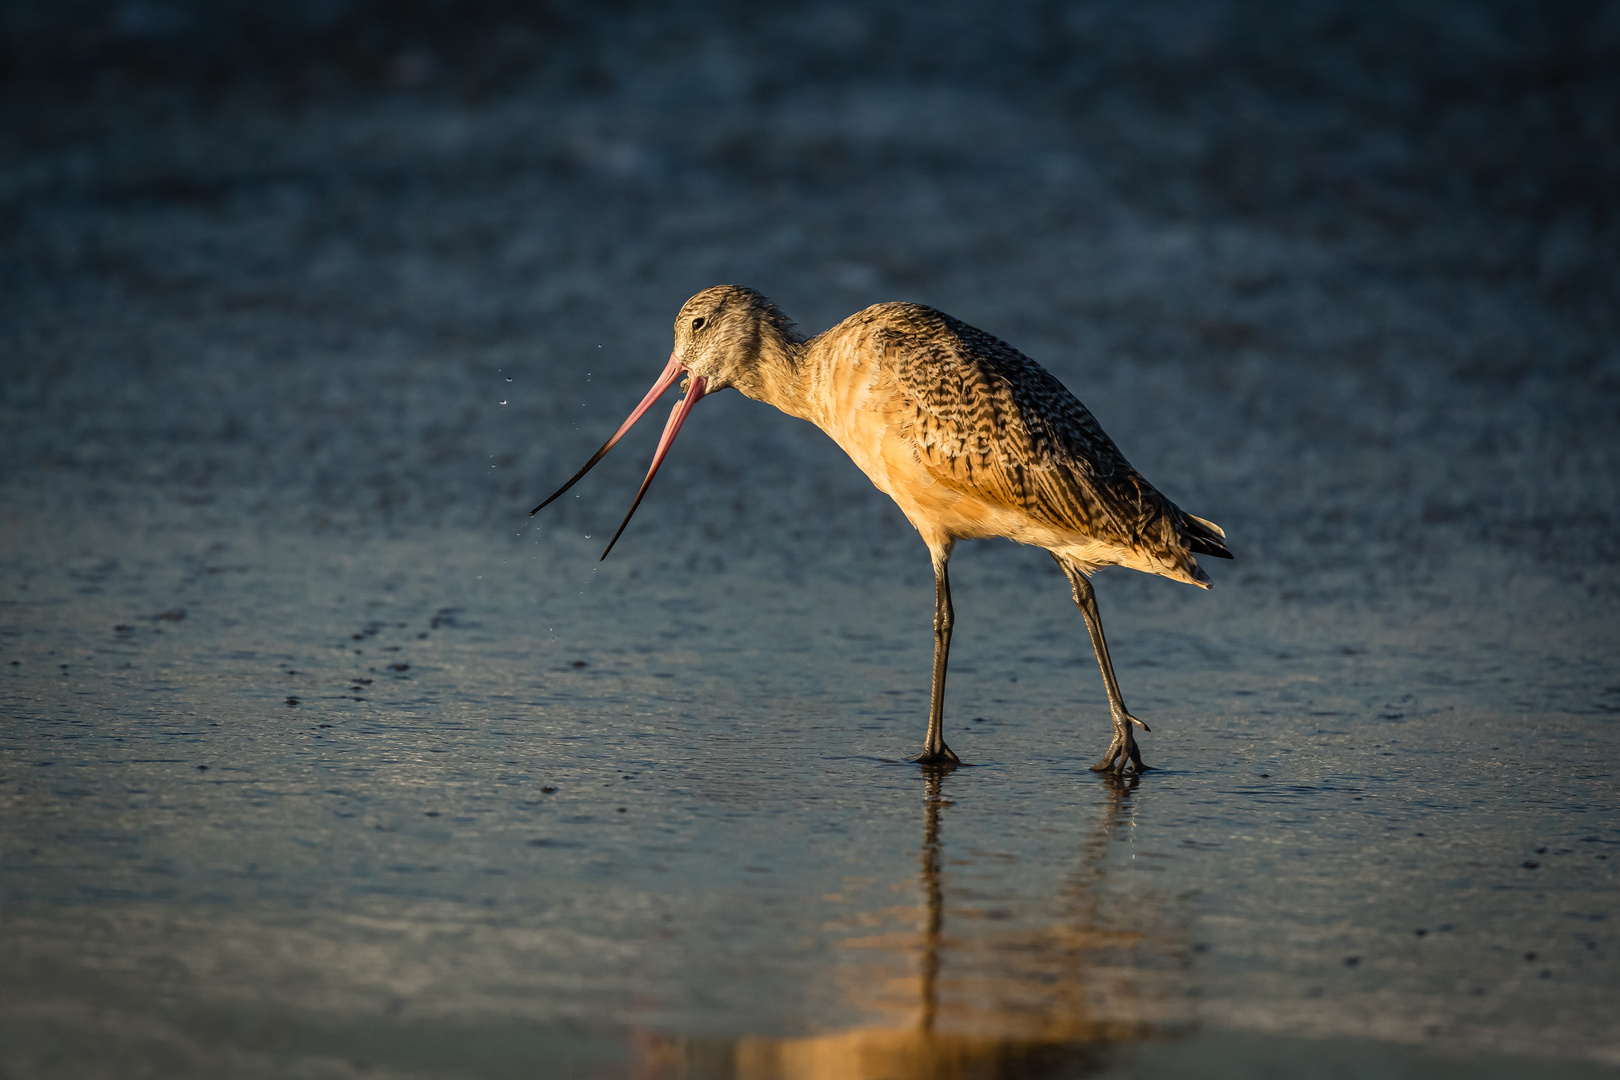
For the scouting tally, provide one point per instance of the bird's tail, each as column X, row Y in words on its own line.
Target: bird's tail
column 1204, row 537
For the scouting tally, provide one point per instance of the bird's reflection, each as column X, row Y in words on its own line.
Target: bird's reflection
column 933, row 892
column 1053, row 999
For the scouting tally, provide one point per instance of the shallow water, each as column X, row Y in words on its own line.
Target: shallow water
column 304, row 804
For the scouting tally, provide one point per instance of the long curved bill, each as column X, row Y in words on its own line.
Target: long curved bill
column 672, row 428
column 671, row 374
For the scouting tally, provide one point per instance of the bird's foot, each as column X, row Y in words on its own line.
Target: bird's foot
column 1123, row 751
column 942, row 755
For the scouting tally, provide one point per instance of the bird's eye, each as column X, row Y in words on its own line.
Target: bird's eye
column 697, row 324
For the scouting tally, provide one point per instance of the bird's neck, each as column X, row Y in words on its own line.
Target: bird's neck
column 778, row 374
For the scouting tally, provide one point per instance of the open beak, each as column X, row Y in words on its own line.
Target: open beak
column 671, row 374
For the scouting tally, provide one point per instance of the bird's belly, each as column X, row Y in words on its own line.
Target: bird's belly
column 939, row 511
column 889, row 462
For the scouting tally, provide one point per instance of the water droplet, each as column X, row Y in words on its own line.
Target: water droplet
column 509, row 378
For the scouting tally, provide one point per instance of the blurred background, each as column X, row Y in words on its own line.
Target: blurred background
column 320, row 758
column 278, row 252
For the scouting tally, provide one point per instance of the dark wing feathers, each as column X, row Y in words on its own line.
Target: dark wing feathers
column 981, row 413
column 1205, row 537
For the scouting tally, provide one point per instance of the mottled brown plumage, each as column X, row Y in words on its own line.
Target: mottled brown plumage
column 970, row 438
column 995, row 426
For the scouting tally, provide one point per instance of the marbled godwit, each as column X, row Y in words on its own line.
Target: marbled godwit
column 968, row 436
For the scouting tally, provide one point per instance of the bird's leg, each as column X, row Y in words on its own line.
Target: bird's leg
column 934, row 749
column 1122, row 749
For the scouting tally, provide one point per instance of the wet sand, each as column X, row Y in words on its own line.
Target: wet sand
column 320, row 758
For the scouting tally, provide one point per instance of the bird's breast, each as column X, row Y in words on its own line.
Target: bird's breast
column 852, row 401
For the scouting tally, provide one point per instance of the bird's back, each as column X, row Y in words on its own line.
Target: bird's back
column 977, row 439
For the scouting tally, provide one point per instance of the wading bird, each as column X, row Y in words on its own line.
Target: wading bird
column 968, row 436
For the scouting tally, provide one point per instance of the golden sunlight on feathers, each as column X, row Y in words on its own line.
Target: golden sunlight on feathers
column 969, row 437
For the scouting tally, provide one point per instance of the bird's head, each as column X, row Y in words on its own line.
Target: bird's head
column 723, row 333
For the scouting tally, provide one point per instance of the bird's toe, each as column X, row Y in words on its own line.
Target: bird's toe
column 1123, row 755
column 944, row 755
